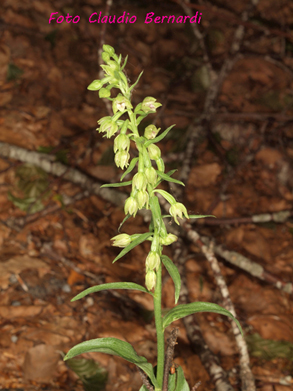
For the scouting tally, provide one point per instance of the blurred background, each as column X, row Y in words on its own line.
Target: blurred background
column 227, row 84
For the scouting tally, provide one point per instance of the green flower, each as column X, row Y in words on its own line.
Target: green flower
column 131, row 206
column 150, row 279
column 142, row 198
column 107, row 125
column 150, row 132
column 121, row 142
column 139, row 181
column 149, row 105
column 120, row 103
column 122, row 159
column 177, row 210
column 121, row 240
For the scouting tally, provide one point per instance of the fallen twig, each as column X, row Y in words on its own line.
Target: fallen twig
column 209, row 360
column 171, row 342
column 247, row 378
column 115, row 197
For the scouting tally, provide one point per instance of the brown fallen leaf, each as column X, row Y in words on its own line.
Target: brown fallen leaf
column 40, row 363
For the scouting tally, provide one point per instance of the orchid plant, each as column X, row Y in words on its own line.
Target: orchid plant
column 124, row 125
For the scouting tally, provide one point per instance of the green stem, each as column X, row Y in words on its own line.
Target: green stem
column 157, row 221
column 159, row 327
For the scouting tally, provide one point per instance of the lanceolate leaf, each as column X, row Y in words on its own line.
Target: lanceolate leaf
column 133, row 244
column 110, row 285
column 160, row 137
column 125, row 219
column 193, row 216
column 130, row 168
column 117, row 184
column 177, row 381
column 168, row 178
column 174, row 273
column 116, row 347
column 92, row 375
column 183, row 310
column 139, row 76
column 200, row 216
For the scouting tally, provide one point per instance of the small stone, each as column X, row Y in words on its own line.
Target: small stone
column 66, row 288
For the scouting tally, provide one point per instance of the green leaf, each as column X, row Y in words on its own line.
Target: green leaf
column 133, row 244
column 183, row 310
column 177, row 382
column 130, row 168
column 30, row 204
column 125, row 61
column 116, row 347
column 168, row 197
column 200, row 216
column 160, row 137
column 125, row 219
column 117, row 184
column 143, row 388
column 193, row 216
column 139, row 76
column 92, row 375
column 110, row 285
column 166, row 177
column 174, row 273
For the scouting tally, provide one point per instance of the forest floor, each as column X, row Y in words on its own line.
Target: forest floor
column 241, row 125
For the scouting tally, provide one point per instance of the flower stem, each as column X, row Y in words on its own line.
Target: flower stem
column 158, row 221
column 159, row 327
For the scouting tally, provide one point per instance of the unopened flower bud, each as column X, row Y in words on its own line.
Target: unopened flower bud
column 142, row 198
column 149, row 105
column 121, row 240
column 95, row 85
column 109, row 49
column 139, row 181
column 104, row 93
column 169, row 239
column 154, row 152
column 151, row 175
column 122, row 158
column 105, row 56
column 177, row 210
column 152, row 261
column 150, row 279
column 121, row 142
column 131, row 206
column 150, row 132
